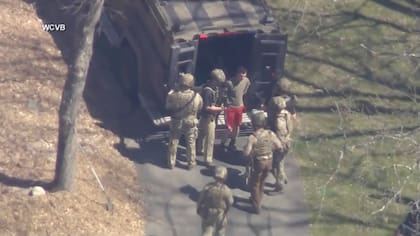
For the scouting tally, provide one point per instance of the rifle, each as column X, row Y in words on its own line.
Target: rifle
column 225, row 213
column 248, row 170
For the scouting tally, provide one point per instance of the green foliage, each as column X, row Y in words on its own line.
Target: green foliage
column 355, row 67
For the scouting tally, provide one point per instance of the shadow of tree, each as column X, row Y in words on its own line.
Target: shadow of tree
column 377, row 22
column 22, row 183
column 365, row 72
column 153, row 152
column 397, row 6
column 346, row 92
column 358, row 133
column 192, row 192
column 338, row 219
column 361, row 106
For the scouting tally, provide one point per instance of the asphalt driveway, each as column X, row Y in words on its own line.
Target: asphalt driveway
column 170, row 195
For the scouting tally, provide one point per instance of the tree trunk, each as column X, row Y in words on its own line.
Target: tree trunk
column 65, row 170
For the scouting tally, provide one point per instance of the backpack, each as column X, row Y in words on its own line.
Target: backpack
column 263, row 146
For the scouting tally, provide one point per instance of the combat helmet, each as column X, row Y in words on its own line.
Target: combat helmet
column 218, row 75
column 279, row 102
column 284, row 84
column 186, row 80
column 259, row 120
column 220, row 172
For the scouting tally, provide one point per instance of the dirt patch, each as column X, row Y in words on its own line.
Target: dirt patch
column 32, row 74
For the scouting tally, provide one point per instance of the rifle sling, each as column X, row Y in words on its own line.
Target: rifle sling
column 185, row 105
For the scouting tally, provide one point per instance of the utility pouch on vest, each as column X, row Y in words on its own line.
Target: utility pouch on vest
column 203, row 211
column 174, row 112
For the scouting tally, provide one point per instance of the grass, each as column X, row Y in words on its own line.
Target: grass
column 355, row 66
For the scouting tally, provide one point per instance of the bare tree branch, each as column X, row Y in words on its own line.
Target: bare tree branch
column 324, row 188
column 398, row 193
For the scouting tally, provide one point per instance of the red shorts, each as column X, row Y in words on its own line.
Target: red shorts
column 233, row 116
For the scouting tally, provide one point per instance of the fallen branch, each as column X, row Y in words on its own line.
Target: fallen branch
column 340, row 115
column 109, row 204
column 397, row 195
column 330, row 179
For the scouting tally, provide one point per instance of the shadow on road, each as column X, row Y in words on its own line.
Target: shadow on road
column 240, row 203
column 243, row 204
column 151, row 152
column 192, row 192
column 229, row 157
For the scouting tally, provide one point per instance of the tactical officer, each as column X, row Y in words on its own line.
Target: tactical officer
column 183, row 104
column 259, row 148
column 282, row 88
column 279, row 121
column 213, row 204
column 207, row 125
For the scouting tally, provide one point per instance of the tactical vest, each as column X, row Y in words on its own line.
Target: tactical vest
column 263, row 146
column 283, row 123
column 182, row 104
column 214, row 196
column 214, row 94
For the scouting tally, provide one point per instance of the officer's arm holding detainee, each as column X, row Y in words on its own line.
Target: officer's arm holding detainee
column 277, row 144
column 229, row 197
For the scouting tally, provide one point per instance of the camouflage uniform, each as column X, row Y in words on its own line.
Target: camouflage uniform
column 213, row 204
column 183, row 105
column 279, row 120
column 259, row 148
column 281, row 88
column 207, row 125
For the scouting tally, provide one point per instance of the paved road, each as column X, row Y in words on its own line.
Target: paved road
column 171, row 194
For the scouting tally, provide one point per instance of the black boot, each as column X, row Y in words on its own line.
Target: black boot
column 232, row 146
column 279, row 188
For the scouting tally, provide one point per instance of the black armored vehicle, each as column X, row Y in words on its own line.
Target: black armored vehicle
column 156, row 40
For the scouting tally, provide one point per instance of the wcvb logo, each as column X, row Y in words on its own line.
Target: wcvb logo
column 50, row 27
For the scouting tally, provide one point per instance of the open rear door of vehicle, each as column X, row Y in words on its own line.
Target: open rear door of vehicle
column 269, row 57
column 183, row 57
column 269, row 54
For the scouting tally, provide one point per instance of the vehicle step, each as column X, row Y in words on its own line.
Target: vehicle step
column 160, row 119
column 153, row 110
